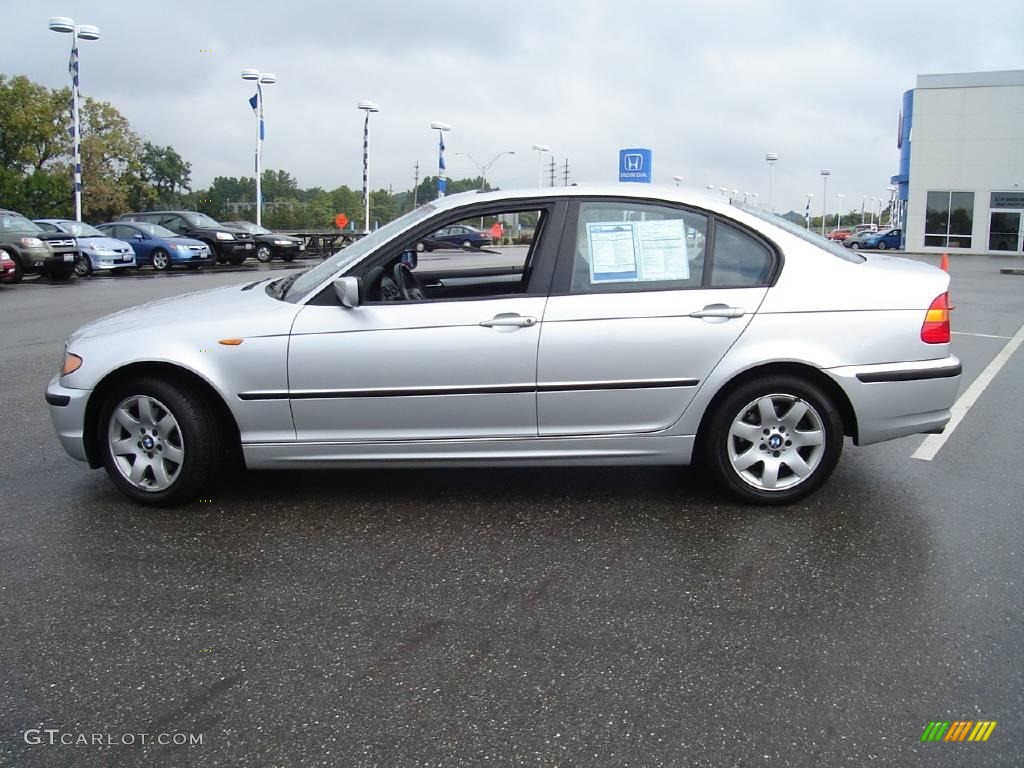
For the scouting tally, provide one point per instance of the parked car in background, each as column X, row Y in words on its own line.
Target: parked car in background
column 35, row 251
column 269, row 244
column 226, row 245
column 856, row 240
column 158, row 246
column 838, row 235
column 614, row 346
column 888, row 239
column 458, row 234
column 96, row 249
column 6, row 267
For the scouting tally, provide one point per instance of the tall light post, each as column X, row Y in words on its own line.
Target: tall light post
column 771, row 158
column 807, row 210
column 710, row 187
column 485, row 167
column 839, row 197
column 78, row 32
column 442, row 182
column 825, row 173
column 677, row 179
column 863, row 200
column 367, row 107
column 261, row 79
column 540, row 149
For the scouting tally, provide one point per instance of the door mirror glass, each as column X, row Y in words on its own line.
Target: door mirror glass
column 347, row 290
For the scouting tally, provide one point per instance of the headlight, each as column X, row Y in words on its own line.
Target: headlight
column 181, row 247
column 103, row 252
column 32, row 242
column 283, row 242
column 71, row 364
column 225, row 236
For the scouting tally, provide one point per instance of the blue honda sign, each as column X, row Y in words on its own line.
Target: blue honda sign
column 635, row 165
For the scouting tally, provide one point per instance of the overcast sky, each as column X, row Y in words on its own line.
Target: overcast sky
column 709, row 86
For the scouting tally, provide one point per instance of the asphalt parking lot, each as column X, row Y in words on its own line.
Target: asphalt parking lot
column 592, row 617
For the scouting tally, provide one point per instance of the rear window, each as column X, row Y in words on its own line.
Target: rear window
column 813, row 238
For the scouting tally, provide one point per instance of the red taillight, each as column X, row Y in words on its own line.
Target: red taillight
column 936, row 321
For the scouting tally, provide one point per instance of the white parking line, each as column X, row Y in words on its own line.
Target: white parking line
column 981, row 335
column 933, row 443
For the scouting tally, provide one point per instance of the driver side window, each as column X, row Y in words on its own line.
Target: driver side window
column 482, row 256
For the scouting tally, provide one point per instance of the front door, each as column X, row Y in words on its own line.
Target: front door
column 635, row 322
column 458, row 362
column 1006, row 231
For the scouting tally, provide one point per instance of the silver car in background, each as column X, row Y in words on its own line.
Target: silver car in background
column 620, row 324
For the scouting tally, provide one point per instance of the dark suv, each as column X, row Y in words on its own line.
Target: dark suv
column 225, row 243
column 51, row 254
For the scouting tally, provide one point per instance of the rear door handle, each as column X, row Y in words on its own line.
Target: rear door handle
column 719, row 310
column 509, row 320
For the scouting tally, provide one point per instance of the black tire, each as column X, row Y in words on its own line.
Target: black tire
column 236, row 261
column 201, row 437
column 881, row 245
column 732, row 407
column 264, row 254
column 287, row 257
column 83, row 265
column 161, row 260
column 62, row 275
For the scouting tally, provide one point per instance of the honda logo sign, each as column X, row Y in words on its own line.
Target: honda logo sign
column 635, row 165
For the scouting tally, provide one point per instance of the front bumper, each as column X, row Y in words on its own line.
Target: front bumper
column 898, row 399
column 191, row 257
column 235, row 247
column 67, row 412
column 106, row 261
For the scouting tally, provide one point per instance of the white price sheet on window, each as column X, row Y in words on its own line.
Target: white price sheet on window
column 634, row 251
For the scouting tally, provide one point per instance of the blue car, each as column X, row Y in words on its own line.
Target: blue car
column 159, row 246
column 97, row 250
column 887, row 239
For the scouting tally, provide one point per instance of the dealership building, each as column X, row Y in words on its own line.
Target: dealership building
column 960, row 186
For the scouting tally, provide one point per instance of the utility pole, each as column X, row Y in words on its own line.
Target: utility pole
column 415, row 184
column 551, row 172
column 565, row 174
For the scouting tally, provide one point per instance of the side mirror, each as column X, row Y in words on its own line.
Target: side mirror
column 137, row 236
column 348, row 290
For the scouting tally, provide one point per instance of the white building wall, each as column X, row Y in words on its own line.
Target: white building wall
column 964, row 138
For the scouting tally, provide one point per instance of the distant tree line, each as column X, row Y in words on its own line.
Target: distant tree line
column 122, row 171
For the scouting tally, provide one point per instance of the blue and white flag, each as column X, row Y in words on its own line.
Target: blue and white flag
column 254, row 102
column 807, row 214
column 442, row 183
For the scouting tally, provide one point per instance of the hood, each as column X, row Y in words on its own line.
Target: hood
column 106, row 243
column 235, row 310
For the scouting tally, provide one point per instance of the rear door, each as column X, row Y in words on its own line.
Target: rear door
column 648, row 297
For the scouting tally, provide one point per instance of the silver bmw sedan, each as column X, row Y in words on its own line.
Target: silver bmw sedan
column 621, row 324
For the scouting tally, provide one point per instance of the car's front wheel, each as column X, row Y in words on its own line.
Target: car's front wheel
column 161, row 261
column 774, row 440
column 264, row 254
column 83, row 266
column 160, row 441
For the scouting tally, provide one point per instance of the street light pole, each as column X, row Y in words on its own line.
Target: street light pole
column 540, row 149
column 442, row 182
column 825, row 172
column 807, row 210
column 485, row 167
column 78, row 32
column 367, row 107
column 840, row 196
column 260, row 78
column 771, row 158
column 677, row 179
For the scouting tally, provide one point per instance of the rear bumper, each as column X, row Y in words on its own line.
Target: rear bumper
column 898, row 399
column 67, row 412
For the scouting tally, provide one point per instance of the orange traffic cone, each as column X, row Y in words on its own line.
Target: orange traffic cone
column 944, row 264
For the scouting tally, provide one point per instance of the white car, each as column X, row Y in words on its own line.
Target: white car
column 642, row 325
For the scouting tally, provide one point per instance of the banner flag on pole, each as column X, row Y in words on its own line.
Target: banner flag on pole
column 77, row 148
column 442, row 183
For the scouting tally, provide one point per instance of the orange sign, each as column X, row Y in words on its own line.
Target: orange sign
column 496, row 230
column 341, row 221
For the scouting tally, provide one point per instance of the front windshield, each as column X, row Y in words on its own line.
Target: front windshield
column 81, row 229
column 804, row 234
column 252, row 229
column 15, row 222
column 309, row 281
column 154, row 230
column 202, row 220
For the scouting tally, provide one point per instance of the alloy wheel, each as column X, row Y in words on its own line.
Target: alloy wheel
column 263, row 254
column 146, row 443
column 776, row 442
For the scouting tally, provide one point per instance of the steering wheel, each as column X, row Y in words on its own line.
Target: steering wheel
column 408, row 284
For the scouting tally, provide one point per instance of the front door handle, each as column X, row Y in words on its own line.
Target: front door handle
column 509, row 320
column 719, row 310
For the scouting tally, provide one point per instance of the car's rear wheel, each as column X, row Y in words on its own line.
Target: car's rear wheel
column 855, row 246
column 160, row 441
column 264, row 254
column 161, row 261
column 83, row 266
column 774, row 440
column 881, row 245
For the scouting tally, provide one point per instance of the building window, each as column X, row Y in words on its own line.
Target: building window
column 949, row 219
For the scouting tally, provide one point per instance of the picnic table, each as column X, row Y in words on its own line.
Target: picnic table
column 322, row 243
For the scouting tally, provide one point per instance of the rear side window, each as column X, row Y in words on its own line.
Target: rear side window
column 740, row 260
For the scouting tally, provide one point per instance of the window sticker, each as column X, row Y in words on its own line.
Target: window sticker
column 627, row 252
